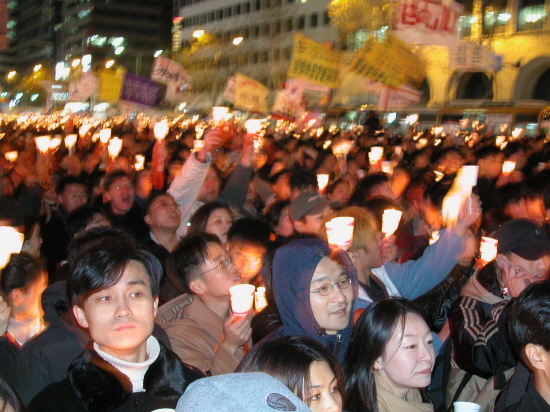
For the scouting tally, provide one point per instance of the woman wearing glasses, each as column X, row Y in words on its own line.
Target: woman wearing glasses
column 199, row 323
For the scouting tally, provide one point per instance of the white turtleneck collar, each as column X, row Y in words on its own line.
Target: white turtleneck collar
column 134, row 370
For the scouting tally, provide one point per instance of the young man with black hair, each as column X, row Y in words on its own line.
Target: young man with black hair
column 113, row 290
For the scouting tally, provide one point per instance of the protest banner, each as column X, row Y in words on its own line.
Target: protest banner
column 390, row 62
column 428, row 21
column 250, row 94
column 83, row 88
column 140, row 90
column 173, row 75
column 110, row 84
column 391, row 99
column 469, row 56
column 229, row 89
column 314, row 62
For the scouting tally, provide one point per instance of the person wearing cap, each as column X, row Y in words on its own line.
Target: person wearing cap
column 308, row 212
column 478, row 318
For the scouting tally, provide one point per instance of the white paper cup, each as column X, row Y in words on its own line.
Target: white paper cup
column 390, row 221
column 260, row 301
column 488, row 248
column 466, row 407
column 340, row 232
column 242, row 298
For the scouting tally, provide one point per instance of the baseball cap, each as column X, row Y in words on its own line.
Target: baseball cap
column 524, row 238
column 309, row 203
column 243, row 392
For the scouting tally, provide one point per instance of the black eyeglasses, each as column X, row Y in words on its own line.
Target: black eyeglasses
column 327, row 289
column 222, row 265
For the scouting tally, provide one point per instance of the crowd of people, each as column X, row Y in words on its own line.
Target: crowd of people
column 119, row 298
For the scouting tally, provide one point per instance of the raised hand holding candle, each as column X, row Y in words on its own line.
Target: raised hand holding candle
column 390, row 221
column 43, row 143
column 253, row 126
column 161, row 129
column 340, row 232
column 218, row 113
column 115, row 146
column 242, row 298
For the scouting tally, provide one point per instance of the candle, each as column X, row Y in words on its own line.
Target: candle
column 11, row 156
column 198, row 145
column 508, row 167
column 84, row 129
column 327, row 144
column 375, row 154
column 488, row 249
column 70, row 141
column 115, row 145
column 340, row 232
column 140, row 162
column 253, row 126
column 218, row 113
column 242, row 297
column 468, row 176
column 390, row 221
column 161, row 130
column 11, row 241
column 104, row 135
column 322, row 181
column 516, row 133
column 42, row 143
column 55, row 142
column 260, row 301
column 438, row 130
column 387, row 167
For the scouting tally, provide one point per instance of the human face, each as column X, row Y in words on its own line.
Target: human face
column 372, row 259
column 409, row 356
column 219, row 223
column 247, row 258
column 331, row 312
column 121, row 194
column 163, row 213
column 73, row 196
column 281, row 187
column 341, row 192
column 28, row 304
column 210, row 188
column 323, row 394
column 216, row 280
column 518, row 273
column 285, row 227
column 311, row 224
column 121, row 317
column 491, row 166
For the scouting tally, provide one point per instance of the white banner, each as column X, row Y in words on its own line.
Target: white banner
column 427, row 21
column 81, row 89
column 469, row 56
column 173, row 75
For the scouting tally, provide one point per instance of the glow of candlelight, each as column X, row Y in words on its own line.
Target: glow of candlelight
column 161, row 130
column 500, row 140
column 488, row 249
column 390, row 221
column 320, row 131
column 242, row 298
column 327, row 144
column 260, row 301
column 516, row 133
column 104, row 135
column 438, row 176
column 198, row 145
column 340, row 232
column 11, row 156
column 43, row 143
column 218, row 113
column 115, row 146
column 375, row 154
column 438, row 130
column 55, row 142
column 70, row 140
column 387, row 167
column 322, row 181
column 140, row 162
column 11, row 241
column 508, row 167
column 253, row 126
column 84, row 129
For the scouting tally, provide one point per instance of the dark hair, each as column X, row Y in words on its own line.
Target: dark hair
column 8, row 397
column 199, row 220
column 81, row 217
column 288, row 359
column 183, row 264
column 487, row 151
column 514, row 147
column 98, row 258
column 508, row 194
column 111, row 177
column 303, row 179
column 69, row 180
column 377, row 205
column 275, row 211
column 369, row 340
column 249, row 230
column 365, row 186
column 21, row 272
column 334, row 184
column 529, row 317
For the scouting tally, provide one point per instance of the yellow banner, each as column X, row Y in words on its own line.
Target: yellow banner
column 250, row 94
column 390, row 62
column 110, row 84
column 314, row 62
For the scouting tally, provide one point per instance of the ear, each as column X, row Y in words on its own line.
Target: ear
column 298, row 225
column 80, row 316
column 16, row 296
column 60, row 199
column 537, row 356
column 148, row 220
column 354, row 255
column 377, row 364
column 106, row 196
column 155, row 306
column 197, row 286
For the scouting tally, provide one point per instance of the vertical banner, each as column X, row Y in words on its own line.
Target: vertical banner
column 314, row 62
column 140, row 90
column 250, row 94
column 110, row 84
column 470, row 56
column 428, row 21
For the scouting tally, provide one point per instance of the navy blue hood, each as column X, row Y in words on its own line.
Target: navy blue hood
column 293, row 268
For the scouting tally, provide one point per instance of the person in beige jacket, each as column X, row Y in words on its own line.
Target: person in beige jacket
column 199, row 323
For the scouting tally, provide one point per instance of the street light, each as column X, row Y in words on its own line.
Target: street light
column 197, row 34
column 109, row 63
column 12, row 74
column 158, row 53
column 37, row 67
column 237, row 40
column 75, row 63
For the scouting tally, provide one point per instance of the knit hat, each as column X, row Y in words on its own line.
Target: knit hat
column 309, row 203
column 243, row 392
column 524, row 238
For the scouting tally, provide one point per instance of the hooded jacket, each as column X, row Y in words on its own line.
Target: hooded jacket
column 293, row 268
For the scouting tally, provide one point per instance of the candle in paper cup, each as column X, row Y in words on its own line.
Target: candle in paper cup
column 390, row 221
column 161, row 130
column 11, row 156
column 104, row 135
column 322, row 181
column 253, row 126
column 219, row 112
column 42, row 143
column 84, row 129
column 260, row 301
column 198, row 145
column 508, row 167
column 398, row 150
column 70, row 140
column 242, row 298
column 469, row 176
column 375, row 154
column 55, row 142
column 466, row 407
column 340, row 232
column 11, row 241
column 386, row 167
column 488, row 248
column 115, row 145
